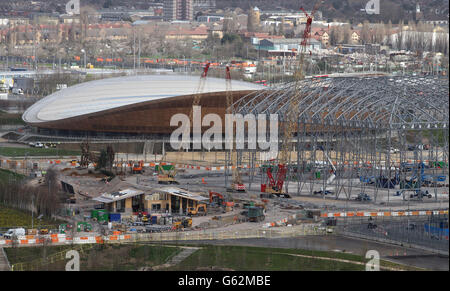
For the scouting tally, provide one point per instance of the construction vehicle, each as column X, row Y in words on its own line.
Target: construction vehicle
column 184, row 222
column 167, row 176
column 418, row 177
column 200, row 209
column 417, row 194
column 363, row 197
column 255, row 213
column 236, row 183
column 217, row 199
column 137, row 168
column 43, row 231
column 84, row 226
column 63, row 228
column 275, row 187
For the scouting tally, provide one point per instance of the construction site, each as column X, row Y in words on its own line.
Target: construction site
column 357, row 156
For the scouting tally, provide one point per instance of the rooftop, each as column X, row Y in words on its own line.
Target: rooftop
column 100, row 95
column 119, row 195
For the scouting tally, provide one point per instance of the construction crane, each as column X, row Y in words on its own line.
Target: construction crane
column 236, row 183
column 276, row 186
column 168, row 176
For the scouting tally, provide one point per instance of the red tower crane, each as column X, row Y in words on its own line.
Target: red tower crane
column 276, row 186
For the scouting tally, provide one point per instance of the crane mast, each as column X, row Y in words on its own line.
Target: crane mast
column 293, row 110
column 236, row 183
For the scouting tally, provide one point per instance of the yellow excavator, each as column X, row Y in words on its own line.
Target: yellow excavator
column 200, row 209
column 184, row 222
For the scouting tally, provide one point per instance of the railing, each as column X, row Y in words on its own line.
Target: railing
column 412, row 231
column 6, row 258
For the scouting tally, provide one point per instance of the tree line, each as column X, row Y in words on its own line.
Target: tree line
column 44, row 199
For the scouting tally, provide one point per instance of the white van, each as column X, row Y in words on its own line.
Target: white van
column 14, row 231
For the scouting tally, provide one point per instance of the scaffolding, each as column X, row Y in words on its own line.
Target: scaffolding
column 384, row 136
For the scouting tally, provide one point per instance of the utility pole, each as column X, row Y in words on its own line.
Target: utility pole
column 32, row 212
column 34, row 43
column 84, row 52
column 134, row 50
column 139, row 50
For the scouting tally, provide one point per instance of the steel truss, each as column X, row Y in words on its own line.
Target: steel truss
column 372, row 129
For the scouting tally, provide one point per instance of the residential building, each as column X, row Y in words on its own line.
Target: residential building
column 288, row 44
column 203, row 4
column 210, row 18
column 199, row 33
column 355, row 36
column 178, row 10
column 322, row 35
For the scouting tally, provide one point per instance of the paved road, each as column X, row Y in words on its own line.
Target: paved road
column 406, row 256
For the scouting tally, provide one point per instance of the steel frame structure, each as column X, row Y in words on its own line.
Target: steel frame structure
column 364, row 126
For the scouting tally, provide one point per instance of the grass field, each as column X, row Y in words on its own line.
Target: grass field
column 272, row 259
column 123, row 257
column 10, row 218
column 5, row 175
column 31, row 152
column 112, row 257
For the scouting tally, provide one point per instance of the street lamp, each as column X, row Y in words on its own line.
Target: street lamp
column 84, row 52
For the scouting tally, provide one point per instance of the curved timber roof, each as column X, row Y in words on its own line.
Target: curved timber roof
column 100, row 95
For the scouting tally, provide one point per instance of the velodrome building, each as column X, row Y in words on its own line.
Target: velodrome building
column 128, row 106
